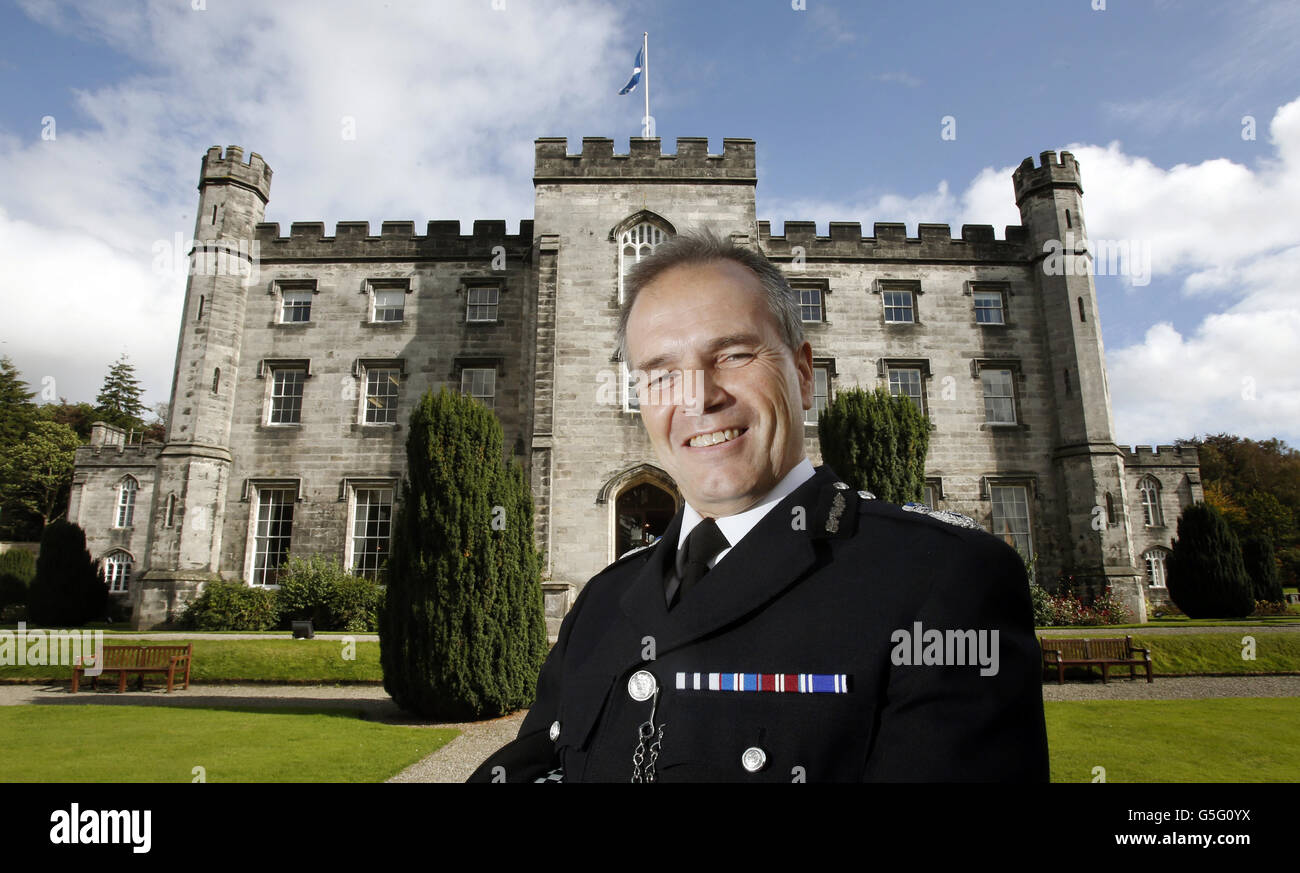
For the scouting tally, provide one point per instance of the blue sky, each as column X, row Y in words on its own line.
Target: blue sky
column 844, row 99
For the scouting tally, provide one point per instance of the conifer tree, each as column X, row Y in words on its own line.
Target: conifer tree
column 1261, row 567
column 67, row 590
column 17, row 411
column 461, row 629
column 119, row 400
column 876, row 441
column 1207, row 578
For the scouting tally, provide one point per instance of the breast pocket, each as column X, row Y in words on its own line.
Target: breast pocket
column 765, row 737
column 580, row 709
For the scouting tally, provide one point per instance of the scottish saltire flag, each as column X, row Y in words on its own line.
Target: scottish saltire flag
column 636, row 73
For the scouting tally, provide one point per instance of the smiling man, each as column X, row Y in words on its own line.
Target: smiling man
column 785, row 627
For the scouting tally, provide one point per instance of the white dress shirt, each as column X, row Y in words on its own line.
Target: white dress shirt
column 734, row 527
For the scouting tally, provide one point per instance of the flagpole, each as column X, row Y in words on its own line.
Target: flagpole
column 645, row 54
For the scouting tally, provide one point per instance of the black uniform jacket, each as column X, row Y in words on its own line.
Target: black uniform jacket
column 826, row 583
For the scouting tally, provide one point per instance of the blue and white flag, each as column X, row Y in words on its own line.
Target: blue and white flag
column 636, row 73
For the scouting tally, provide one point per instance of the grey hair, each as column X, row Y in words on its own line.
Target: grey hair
column 703, row 247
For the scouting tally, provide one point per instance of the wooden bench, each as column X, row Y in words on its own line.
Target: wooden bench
column 140, row 660
column 1062, row 652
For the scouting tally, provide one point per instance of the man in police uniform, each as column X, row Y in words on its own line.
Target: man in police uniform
column 785, row 627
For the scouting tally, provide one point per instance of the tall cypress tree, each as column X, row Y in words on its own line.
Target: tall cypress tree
column 876, row 441
column 1261, row 567
column 119, row 399
column 461, row 629
column 67, row 590
column 1207, row 578
column 17, row 411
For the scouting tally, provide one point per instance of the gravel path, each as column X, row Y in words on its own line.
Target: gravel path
column 1174, row 688
column 188, row 635
column 455, row 761
column 1157, row 631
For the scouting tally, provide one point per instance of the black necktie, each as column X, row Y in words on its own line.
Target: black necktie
column 702, row 545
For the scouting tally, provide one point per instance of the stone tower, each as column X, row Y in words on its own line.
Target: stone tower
column 194, row 467
column 588, row 451
column 1089, row 467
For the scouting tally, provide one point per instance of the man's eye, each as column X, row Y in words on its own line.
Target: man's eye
column 738, row 356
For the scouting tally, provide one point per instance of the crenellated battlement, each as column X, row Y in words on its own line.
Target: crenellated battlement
column 230, row 168
column 1050, row 174
column 1161, row 456
column 645, row 162
column 889, row 241
column 352, row 240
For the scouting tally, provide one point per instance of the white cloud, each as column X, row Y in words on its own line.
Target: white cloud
column 1216, row 229
column 446, row 98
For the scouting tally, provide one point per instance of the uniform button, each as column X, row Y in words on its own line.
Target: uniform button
column 642, row 685
column 754, row 759
column 555, row 731
column 842, row 486
column 866, row 495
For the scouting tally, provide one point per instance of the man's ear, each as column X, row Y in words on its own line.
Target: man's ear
column 803, row 364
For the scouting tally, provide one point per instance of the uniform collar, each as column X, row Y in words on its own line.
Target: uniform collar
column 734, row 527
column 773, row 557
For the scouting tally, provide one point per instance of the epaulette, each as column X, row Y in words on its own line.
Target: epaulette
column 946, row 515
column 836, row 513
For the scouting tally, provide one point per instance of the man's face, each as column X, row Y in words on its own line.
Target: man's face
column 714, row 361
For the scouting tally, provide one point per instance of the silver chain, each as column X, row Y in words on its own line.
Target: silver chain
column 641, row 770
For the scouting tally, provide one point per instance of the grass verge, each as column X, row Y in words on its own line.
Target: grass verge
column 237, row 744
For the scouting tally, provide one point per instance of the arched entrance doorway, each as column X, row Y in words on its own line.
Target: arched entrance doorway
column 641, row 513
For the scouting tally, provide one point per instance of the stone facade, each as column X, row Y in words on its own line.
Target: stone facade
column 297, row 371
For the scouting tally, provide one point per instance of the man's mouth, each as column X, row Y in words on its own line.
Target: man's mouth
column 704, row 440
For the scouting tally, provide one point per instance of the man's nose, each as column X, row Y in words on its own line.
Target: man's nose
column 701, row 391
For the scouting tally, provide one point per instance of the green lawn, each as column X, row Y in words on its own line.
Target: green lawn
column 1242, row 739
column 319, row 660
column 164, row 744
column 1220, row 652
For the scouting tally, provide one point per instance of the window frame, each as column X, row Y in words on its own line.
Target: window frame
column 128, row 488
column 471, row 288
column 626, row 237
column 802, row 285
column 1011, row 396
column 363, row 369
column 373, row 289
column 354, row 488
column 911, row 287
column 118, row 580
column 975, row 289
column 628, row 389
column 254, row 491
column 1152, row 513
column 921, row 399
column 274, row 370
column 282, row 288
column 820, row 365
column 465, row 370
column 1149, row 566
column 993, row 489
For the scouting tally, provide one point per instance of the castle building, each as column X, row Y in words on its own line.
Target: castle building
column 297, row 370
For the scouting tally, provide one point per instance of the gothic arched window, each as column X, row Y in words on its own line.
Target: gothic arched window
column 117, row 571
column 126, row 501
column 1154, row 559
column 636, row 243
column 1150, row 490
